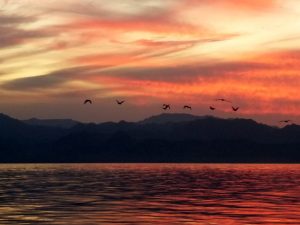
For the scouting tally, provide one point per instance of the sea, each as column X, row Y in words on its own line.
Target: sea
column 144, row 194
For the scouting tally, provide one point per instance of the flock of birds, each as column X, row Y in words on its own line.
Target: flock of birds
column 212, row 108
column 188, row 107
column 89, row 101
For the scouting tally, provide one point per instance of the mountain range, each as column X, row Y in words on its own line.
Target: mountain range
column 160, row 138
column 63, row 123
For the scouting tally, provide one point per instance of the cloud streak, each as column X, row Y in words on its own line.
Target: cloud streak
column 13, row 34
column 152, row 51
column 47, row 80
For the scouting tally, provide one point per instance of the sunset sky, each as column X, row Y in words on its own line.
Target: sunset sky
column 55, row 54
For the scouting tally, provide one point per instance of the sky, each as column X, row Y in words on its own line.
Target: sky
column 55, row 54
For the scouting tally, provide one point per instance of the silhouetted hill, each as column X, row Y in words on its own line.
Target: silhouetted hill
column 171, row 118
column 62, row 123
column 16, row 129
column 179, row 139
column 20, row 142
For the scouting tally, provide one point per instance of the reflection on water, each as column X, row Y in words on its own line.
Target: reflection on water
column 158, row 194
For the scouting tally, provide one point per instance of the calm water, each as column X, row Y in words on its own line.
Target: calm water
column 157, row 194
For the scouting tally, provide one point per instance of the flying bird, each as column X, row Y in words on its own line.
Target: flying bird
column 285, row 121
column 166, row 106
column 223, row 100
column 235, row 108
column 187, row 107
column 212, row 108
column 88, row 101
column 120, row 102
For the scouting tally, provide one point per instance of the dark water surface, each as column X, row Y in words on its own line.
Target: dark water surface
column 157, row 194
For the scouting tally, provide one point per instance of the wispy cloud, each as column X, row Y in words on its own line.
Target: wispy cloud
column 187, row 73
column 13, row 33
column 253, row 5
column 152, row 50
column 46, row 80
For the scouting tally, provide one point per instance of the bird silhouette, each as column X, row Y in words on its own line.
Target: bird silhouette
column 88, row 101
column 212, row 108
column 187, row 107
column 166, row 106
column 235, row 108
column 120, row 102
column 285, row 121
column 222, row 100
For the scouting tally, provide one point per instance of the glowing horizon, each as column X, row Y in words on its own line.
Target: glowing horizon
column 55, row 54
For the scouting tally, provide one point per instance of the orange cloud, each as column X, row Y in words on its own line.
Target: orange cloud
column 258, row 88
column 153, row 53
column 157, row 25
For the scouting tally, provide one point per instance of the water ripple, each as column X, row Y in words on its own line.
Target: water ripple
column 144, row 194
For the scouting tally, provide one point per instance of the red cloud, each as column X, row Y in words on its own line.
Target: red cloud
column 138, row 24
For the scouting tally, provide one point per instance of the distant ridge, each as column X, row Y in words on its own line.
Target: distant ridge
column 172, row 118
column 16, row 131
column 62, row 123
column 161, row 138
